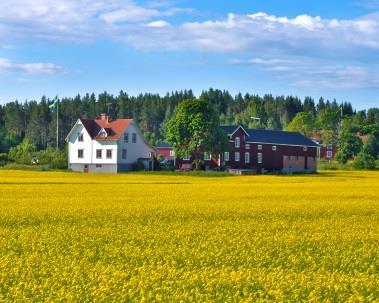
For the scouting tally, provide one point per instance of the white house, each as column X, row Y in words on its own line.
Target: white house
column 107, row 146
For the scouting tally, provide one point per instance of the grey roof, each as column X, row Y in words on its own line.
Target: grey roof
column 273, row 136
column 163, row 145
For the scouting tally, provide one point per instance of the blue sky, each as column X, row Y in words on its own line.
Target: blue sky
column 297, row 47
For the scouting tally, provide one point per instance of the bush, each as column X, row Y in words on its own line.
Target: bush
column 56, row 159
column 364, row 161
column 22, row 153
column 3, row 159
column 342, row 157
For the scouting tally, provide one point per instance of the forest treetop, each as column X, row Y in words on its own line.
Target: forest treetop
column 34, row 121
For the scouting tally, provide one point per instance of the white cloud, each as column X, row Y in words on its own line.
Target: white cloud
column 124, row 20
column 316, row 73
column 262, row 33
column 29, row 68
column 158, row 24
column 128, row 13
column 68, row 20
column 258, row 61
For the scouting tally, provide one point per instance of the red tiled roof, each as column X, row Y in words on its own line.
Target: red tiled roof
column 114, row 128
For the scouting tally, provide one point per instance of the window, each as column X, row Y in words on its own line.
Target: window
column 172, row 153
column 274, row 147
column 99, row 166
column 103, row 134
column 134, row 138
column 247, row 157
column 226, row 156
column 247, row 146
column 207, row 156
column 259, row 147
column 99, row 153
column 80, row 153
column 124, row 154
column 186, row 157
column 305, row 148
column 81, row 138
column 237, row 142
column 330, row 146
column 329, row 154
column 237, row 156
column 260, row 158
column 126, row 137
column 109, row 154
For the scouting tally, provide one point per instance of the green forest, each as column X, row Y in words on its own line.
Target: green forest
column 329, row 121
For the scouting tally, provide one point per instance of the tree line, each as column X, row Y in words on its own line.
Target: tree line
column 323, row 119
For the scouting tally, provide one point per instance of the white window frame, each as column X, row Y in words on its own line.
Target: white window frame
column 329, row 154
column 82, row 151
column 247, row 146
column 101, row 153
column 260, row 158
column 237, row 157
column 260, row 146
column 186, row 157
column 172, row 153
column 207, row 156
column 274, row 148
column 305, row 148
column 226, row 156
column 247, row 157
column 237, row 142
column 111, row 154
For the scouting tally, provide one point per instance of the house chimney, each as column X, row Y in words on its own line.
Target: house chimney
column 104, row 117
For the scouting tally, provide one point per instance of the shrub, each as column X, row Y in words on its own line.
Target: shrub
column 3, row 159
column 22, row 153
column 364, row 161
column 54, row 158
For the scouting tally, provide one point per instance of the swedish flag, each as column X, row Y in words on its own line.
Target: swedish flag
column 53, row 103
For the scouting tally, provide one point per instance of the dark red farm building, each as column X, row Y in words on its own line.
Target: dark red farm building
column 164, row 150
column 262, row 151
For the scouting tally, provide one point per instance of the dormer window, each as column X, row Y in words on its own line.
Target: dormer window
column 103, row 133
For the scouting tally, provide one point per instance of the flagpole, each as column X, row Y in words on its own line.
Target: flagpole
column 57, row 125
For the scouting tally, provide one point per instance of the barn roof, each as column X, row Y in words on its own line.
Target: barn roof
column 272, row 136
column 163, row 145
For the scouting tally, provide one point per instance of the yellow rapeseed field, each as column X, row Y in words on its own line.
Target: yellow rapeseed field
column 81, row 238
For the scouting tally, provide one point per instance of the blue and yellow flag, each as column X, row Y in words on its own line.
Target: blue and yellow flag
column 53, row 103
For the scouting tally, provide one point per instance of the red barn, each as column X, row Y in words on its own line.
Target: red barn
column 164, row 150
column 262, row 151
column 328, row 152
